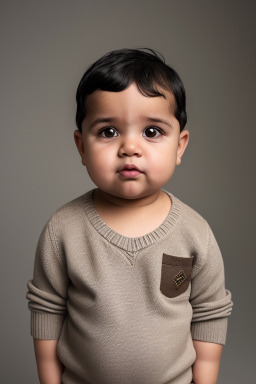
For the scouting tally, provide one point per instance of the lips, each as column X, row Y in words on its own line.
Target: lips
column 130, row 171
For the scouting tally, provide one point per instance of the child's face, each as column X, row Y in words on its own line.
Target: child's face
column 130, row 143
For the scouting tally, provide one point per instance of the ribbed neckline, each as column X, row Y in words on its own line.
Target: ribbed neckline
column 132, row 244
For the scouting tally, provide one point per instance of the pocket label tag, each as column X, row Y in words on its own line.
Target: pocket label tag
column 179, row 278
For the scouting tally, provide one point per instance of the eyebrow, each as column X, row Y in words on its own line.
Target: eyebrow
column 159, row 120
column 101, row 120
column 112, row 119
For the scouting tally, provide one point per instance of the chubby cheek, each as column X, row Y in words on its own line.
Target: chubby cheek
column 163, row 165
column 99, row 164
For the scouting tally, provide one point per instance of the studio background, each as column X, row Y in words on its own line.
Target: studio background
column 45, row 49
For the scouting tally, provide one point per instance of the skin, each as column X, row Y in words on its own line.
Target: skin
column 128, row 128
column 207, row 364
column 49, row 366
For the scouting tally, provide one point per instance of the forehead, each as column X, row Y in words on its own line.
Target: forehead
column 128, row 103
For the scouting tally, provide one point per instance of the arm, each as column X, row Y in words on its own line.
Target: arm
column 47, row 295
column 206, row 366
column 210, row 301
column 49, row 366
column 212, row 305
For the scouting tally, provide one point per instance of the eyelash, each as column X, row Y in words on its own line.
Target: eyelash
column 159, row 130
column 100, row 133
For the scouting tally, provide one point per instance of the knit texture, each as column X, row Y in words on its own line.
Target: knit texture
column 125, row 310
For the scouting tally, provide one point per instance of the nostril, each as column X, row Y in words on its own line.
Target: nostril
column 132, row 154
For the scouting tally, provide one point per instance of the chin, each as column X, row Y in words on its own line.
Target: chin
column 128, row 196
column 124, row 193
column 133, row 194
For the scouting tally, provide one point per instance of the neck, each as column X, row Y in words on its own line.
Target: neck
column 102, row 198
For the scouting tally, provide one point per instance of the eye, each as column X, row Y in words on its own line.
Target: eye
column 152, row 132
column 108, row 132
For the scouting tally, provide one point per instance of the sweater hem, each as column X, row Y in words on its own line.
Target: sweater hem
column 212, row 331
column 46, row 326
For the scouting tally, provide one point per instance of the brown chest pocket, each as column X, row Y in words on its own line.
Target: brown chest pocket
column 175, row 275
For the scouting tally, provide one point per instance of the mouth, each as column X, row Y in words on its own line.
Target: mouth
column 130, row 171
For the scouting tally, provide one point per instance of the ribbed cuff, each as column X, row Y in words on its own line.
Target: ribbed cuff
column 213, row 331
column 46, row 326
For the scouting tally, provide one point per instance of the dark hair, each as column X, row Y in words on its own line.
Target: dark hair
column 116, row 70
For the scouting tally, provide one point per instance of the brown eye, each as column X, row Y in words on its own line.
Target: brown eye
column 108, row 132
column 152, row 132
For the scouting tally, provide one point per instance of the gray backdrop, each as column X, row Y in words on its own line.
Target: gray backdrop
column 45, row 48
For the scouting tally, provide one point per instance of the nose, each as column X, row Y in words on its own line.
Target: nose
column 130, row 146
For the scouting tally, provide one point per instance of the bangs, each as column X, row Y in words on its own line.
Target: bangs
column 117, row 70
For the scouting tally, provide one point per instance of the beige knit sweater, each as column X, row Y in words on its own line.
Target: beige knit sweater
column 125, row 310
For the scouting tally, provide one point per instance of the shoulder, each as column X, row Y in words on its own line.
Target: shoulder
column 191, row 226
column 69, row 219
column 194, row 231
column 188, row 215
column 71, row 209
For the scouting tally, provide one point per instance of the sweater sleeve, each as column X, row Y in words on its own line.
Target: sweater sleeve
column 210, row 301
column 47, row 292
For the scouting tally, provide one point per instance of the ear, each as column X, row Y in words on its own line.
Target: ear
column 80, row 144
column 182, row 145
